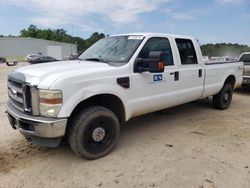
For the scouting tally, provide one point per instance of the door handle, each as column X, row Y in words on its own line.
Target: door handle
column 176, row 75
column 200, row 73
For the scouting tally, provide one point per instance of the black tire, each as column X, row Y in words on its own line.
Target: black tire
column 94, row 132
column 223, row 99
column 14, row 63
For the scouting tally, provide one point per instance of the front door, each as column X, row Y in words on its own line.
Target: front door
column 155, row 91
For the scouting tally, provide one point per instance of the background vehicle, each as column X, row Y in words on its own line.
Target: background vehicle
column 11, row 63
column 2, row 60
column 42, row 59
column 245, row 57
column 71, row 57
column 8, row 63
column 29, row 57
column 116, row 79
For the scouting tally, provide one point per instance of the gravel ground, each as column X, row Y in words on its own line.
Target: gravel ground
column 191, row 145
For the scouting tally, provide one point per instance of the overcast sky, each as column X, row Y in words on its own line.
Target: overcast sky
column 209, row 21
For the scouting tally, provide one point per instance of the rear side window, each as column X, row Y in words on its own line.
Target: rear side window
column 158, row 44
column 186, row 51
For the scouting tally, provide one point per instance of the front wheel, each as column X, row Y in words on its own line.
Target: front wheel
column 223, row 99
column 94, row 132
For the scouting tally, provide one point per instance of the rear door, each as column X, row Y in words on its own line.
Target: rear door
column 191, row 72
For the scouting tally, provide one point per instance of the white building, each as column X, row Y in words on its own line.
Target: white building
column 21, row 46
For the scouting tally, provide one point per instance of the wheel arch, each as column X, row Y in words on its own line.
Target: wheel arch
column 230, row 80
column 109, row 101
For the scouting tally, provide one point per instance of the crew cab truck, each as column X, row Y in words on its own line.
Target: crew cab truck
column 118, row 78
column 245, row 58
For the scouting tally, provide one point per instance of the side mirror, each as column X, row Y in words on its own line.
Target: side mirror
column 153, row 64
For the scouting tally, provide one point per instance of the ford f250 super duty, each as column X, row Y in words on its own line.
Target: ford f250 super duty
column 116, row 79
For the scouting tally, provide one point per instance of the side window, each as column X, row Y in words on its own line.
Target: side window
column 186, row 51
column 245, row 58
column 158, row 44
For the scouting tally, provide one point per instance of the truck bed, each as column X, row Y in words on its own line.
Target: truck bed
column 220, row 62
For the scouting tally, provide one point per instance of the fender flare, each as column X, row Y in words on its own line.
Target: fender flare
column 91, row 91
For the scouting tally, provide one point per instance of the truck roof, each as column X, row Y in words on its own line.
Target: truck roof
column 155, row 35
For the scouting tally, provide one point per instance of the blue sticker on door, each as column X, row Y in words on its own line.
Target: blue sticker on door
column 157, row 77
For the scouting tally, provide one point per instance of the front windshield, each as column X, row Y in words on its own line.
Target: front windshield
column 113, row 49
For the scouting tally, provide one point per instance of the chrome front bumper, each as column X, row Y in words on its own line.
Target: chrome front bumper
column 32, row 126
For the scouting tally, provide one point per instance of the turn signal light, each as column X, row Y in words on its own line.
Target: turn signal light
column 51, row 101
column 160, row 65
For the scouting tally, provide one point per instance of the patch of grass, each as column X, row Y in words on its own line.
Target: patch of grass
column 15, row 58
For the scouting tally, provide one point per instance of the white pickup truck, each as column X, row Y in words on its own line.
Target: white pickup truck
column 116, row 79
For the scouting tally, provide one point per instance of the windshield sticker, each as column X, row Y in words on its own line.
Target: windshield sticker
column 135, row 37
column 157, row 77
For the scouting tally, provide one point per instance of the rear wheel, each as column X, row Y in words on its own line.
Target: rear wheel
column 94, row 132
column 223, row 99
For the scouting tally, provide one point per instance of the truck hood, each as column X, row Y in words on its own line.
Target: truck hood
column 50, row 72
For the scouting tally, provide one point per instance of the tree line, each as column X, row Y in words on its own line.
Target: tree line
column 223, row 49
column 61, row 35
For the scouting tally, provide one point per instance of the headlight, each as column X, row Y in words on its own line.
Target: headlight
column 50, row 102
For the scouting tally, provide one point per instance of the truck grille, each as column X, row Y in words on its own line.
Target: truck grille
column 15, row 91
column 22, row 96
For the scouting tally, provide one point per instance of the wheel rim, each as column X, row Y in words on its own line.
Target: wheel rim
column 226, row 96
column 99, row 135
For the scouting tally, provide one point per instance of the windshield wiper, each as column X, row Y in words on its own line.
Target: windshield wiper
column 96, row 59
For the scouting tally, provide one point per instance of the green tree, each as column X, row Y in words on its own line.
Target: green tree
column 32, row 31
column 223, row 49
column 61, row 35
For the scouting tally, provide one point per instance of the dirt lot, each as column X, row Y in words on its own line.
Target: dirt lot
column 192, row 145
